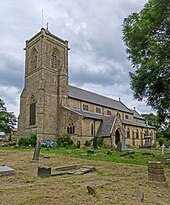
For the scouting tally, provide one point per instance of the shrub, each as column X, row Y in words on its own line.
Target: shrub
column 100, row 141
column 87, row 143
column 78, row 144
column 28, row 141
column 23, row 141
column 32, row 139
column 160, row 140
column 64, row 140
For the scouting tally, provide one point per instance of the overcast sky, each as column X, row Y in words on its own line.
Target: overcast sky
column 97, row 59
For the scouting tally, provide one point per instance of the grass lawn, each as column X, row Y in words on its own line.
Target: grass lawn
column 137, row 156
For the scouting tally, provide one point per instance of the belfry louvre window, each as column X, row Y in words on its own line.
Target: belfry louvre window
column 98, row 110
column 71, row 129
column 53, row 60
column 32, row 110
column 85, row 107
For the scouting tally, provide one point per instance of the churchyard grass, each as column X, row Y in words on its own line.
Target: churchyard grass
column 137, row 156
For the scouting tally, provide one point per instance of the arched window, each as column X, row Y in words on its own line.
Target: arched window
column 33, row 59
column 137, row 134
column 71, row 129
column 128, row 133
column 32, row 110
column 53, row 60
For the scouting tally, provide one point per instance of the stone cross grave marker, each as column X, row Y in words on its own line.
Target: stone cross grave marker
column 163, row 149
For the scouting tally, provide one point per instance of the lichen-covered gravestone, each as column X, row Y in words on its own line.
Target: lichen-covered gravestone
column 119, row 147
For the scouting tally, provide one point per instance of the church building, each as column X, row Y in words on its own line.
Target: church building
column 49, row 106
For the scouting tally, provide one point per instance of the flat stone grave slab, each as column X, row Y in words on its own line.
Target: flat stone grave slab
column 72, row 169
column 4, row 170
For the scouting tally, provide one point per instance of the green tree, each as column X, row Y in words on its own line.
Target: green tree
column 7, row 119
column 147, row 38
column 162, row 127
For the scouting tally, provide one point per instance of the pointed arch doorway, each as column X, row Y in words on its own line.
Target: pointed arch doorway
column 117, row 137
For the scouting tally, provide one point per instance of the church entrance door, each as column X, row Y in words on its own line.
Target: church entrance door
column 117, row 137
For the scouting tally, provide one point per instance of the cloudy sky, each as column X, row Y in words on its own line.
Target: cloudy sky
column 97, row 59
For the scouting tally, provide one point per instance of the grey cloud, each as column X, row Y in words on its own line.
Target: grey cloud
column 93, row 29
column 11, row 71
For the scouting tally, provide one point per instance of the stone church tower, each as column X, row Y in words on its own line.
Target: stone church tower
column 46, row 85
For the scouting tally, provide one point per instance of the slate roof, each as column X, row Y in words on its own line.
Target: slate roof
column 86, row 114
column 133, row 123
column 87, row 96
column 106, row 126
column 137, row 115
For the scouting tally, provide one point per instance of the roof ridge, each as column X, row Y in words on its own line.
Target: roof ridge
column 94, row 93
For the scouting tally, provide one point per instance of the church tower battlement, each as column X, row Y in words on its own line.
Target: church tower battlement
column 46, row 85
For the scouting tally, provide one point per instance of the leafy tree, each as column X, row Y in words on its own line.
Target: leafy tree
column 162, row 127
column 147, row 37
column 7, row 119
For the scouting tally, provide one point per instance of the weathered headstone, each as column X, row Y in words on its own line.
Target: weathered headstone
column 139, row 195
column 44, row 172
column 119, row 147
column 156, row 172
column 37, row 151
column 94, row 143
column 91, row 190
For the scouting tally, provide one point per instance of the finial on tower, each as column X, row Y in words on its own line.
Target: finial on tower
column 47, row 26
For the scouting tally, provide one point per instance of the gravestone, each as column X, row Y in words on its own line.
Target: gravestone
column 156, row 173
column 91, row 190
column 139, row 195
column 44, row 172
column 4, row 170
column 94, row 143
column 37, row 151
column 119, row 147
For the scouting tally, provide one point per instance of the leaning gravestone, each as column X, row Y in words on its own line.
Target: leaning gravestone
column 119, row 147
column 37, row 151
